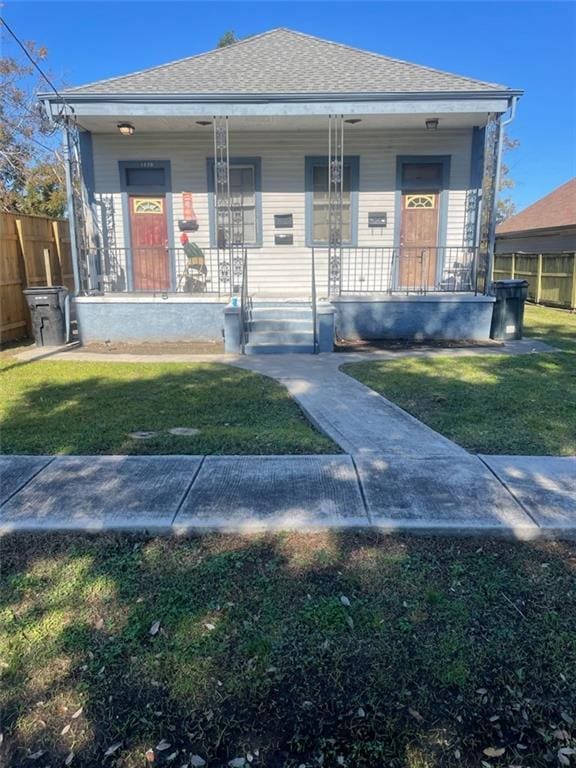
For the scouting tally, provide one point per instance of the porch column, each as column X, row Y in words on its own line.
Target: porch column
column 70, row 205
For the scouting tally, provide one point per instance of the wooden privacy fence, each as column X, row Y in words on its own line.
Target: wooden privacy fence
column 551, row 276
column 34, row 251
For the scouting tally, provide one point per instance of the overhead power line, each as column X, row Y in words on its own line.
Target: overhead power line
column 40, row 70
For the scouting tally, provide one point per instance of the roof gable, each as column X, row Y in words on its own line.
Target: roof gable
column 558, row 209
column 284, row 61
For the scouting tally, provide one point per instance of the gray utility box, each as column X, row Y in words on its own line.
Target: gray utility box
column 47, row 312
column 508, row 315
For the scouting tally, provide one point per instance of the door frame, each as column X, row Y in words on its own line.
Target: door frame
column 401, row 161
column 160, row 189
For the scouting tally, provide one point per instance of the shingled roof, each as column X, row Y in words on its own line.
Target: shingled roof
column 558, row 209
column 284, row 61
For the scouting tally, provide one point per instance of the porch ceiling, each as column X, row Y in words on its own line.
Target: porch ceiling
column 180, row 124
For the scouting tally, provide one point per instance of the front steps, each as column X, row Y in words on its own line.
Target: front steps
column 280, row 328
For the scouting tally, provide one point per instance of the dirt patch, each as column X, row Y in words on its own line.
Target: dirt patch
column 159, row 348
column 400, row 345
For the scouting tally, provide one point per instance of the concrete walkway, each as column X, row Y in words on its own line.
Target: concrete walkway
column 181, row 494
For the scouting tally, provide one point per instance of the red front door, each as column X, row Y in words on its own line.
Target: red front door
column 149, row 233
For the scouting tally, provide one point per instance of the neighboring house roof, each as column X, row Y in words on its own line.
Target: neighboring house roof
column 284, row 61
column 558, row 209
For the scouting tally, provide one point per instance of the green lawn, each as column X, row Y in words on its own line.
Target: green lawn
column 505, row 404
column 334, row 649
column 89, row 408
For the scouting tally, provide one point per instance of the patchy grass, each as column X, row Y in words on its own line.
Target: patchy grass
column 90, row 408
column 295, row 650
column 506, row 404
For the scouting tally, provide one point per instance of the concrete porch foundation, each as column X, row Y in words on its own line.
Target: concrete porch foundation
column 419, row 317
column 133, row 318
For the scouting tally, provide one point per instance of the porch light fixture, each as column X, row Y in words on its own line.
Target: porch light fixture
column 126, row 129
column 353, row 120
column 432, row 124
column 203, row 122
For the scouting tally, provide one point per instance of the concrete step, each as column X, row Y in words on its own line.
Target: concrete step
column 278, row 349
column 282, row 336
column 299, row 325
column 289, row 312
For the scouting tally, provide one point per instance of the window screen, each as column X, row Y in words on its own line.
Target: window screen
column 145, row 177
column 320, row 203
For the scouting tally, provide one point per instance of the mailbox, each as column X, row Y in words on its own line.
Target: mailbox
column 377, row 219
column 283, row 221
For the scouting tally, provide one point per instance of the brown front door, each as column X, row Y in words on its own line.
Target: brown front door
column 418, row 240
column 418, row 258
column 149, row 233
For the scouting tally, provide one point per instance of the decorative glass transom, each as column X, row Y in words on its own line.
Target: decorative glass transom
column 420, row 201
column 148, row 205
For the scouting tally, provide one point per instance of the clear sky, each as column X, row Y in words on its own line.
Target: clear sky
column 529, row 45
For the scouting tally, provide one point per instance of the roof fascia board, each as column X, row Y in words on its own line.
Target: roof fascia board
column 170, row 109
column 537, row 231
column 259, row 98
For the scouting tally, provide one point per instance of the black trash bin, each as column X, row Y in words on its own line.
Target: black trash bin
column 47, row 312
column 508, row 315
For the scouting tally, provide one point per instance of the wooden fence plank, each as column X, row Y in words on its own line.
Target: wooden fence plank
column 551, row 276
column 34, row 251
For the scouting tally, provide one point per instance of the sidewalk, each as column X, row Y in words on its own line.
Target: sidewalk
column 180, row 494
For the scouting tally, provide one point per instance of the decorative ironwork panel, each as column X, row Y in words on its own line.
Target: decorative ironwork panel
column 335, row 201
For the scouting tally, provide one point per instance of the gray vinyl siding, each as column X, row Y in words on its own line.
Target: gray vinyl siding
column 278, row 269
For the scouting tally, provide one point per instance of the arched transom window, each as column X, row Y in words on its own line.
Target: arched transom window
column 420, row 201
column 148, row 205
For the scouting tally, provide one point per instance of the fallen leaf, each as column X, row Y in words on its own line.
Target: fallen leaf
column 561, row 735
column 99, row 624
column 69, row 758
column 77, row 714
column 113, row 748
column 494, row 751
column 416, row 715
column 210, row 626
column 171, row 757
column 566, row 751
column 65, row 730
column 237, row 762
column 360, row 712
column 36, row 755
column 154, row 628
column 344, row 600
column 150, row 756
column 567, row 718
column 162, row 745
column 350, row 622
column 197, row 762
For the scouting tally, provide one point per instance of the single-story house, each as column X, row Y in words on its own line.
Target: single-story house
column 546, row 226
column 283, row 187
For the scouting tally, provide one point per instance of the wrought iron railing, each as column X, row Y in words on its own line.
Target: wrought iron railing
column 405, row 270
column 157, row 270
